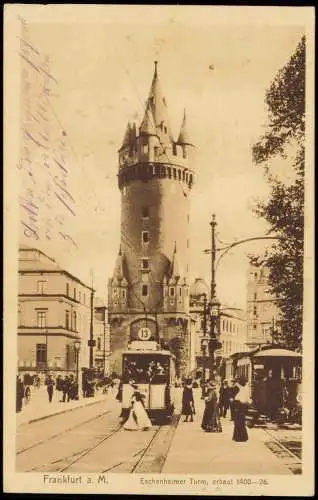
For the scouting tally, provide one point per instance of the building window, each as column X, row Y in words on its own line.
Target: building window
column 41, row 287
column 255, row 310
column 67, row 289
column 145, row 263
column 188, row 244
column 145, row 212
column 180, row 291
column 123, row 294
column 41, row 319
column 74, row 294
column 99, row 346
column 144, row 290
column 165, row 129
column 254, row 326
column 40, row 353
column 145, row 236
column 74, row 320
column 172, row 291
column 67, row 320
column 255, row 296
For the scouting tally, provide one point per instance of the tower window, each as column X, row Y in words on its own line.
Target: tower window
column 145, row 212
column 144, row 290
column 255, row 296
column 180, row 291
column 145, row 148
column 187, row 243
column 165, row 129
column 172, row 291
column 123, row 294
column 254, row 310
column 145, row 263
column 145, row 236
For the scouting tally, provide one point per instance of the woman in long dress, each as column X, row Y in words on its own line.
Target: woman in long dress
column 211, row 418
column 188, row 401
column 138, row 418
column 240, row 407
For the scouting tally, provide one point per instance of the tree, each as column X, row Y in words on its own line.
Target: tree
column 178, row 347
column 284, row 209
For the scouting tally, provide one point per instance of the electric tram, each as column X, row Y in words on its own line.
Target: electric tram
column 274, row 377
column 152, row 369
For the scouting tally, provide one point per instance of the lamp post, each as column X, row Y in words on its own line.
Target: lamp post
column 77, row 346
column 213, row 307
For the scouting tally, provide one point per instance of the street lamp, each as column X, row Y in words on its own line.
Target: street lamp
column 77, row 346
column 213, row 308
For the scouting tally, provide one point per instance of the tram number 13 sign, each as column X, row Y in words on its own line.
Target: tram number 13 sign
column 144, row 333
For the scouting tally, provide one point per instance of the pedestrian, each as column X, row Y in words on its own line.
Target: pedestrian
column 66, row 389
column 241, row 404
column 19, row 394
column 50, row 387
column 138, row 418
column 188, row 409
column 233, row 389
column 211, row 417
column 224, row 398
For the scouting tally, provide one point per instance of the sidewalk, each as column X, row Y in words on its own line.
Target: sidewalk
column 197, row 452
column 39, row 406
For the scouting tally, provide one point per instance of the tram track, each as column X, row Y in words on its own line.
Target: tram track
column 58, row 434
column 276, row 446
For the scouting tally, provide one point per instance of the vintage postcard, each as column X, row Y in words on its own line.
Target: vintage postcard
column 158, row 311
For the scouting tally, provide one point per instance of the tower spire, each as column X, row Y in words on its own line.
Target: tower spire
column 184, row 137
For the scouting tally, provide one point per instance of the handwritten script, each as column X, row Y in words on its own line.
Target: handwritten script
column 47, row 205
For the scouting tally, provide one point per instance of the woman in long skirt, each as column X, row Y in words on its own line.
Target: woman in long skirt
column 240, row 407
column 188, row 401
column 138, row 418
column 211, row 418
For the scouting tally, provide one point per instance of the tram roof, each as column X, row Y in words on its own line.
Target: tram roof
column 278, row 353
column 149, row 352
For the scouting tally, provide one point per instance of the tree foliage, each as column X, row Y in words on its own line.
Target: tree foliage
column 284, row 209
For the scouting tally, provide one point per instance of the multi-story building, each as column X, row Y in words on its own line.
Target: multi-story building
column 101, row 336
column 53, row 313
column 149, row 290
column 232, row 324
column 263, row 315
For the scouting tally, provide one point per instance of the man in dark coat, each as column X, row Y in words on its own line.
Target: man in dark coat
column 188, row 401
column 50, row 387
column 66, row 389
column 19, row 394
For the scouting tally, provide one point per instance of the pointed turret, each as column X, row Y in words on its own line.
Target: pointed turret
column 119, row 267
column 127, row 137
column 175, row 268
column 158, row 105
column 148, row 123
column 184, row 137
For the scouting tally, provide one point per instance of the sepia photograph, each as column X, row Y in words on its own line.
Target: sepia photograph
column 158, row 211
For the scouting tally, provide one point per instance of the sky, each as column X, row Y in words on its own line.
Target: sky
column 218, row 70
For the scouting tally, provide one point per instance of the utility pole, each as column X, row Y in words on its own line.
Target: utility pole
column 104, row 346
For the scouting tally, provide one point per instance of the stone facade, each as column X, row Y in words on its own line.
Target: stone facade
column 53, row 313
column 262, row 311
column 150, row 280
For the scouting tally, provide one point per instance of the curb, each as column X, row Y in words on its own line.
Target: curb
column 44, row 417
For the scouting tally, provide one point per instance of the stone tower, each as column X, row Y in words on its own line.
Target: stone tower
column 149, row 287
